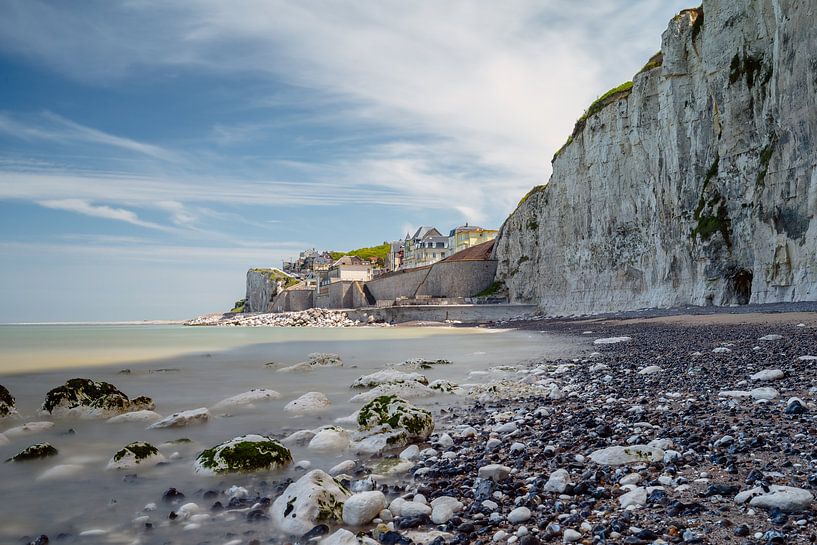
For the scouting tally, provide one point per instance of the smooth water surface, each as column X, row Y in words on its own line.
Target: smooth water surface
column 215, row 363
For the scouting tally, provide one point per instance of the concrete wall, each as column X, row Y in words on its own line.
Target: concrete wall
column 293, row 300
column 340, row 294
column 440, row 313
column 397, row 284
column 458, row 278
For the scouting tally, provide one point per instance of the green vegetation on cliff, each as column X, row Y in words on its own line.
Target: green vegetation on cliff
column 277, row 275
column 613, row 95
column 380, row 252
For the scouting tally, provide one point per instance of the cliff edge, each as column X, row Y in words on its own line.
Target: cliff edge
column 697, row 184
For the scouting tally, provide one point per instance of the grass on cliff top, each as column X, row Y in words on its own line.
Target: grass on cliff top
column 613, row 95
column 536, row 189
column 380, row 252
column 654, row 62
column 277, row 274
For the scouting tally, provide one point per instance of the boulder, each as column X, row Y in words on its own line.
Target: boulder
column 313, row 499
column 406, row 390
column 27, row 429
column 256, row 395
column 309, row 403
column 183, row 418
column 315, row 360
column 345, row 537
column 89, row 399
column 34, row 452
column 650, row 370
column 392, row 412
column 419, row 363
column 768, row 374
column 331, row 438
column 519, row 515
column 764, row 393
column 786, row 498
column 6, row 403
column 388, row 376
column 446, row 387
column 361, row 508
column 772, row 337
column 135, row 416
column 444, row 508
column 619, row 455
column 135, row 455
column 300, row 438
column 60, row 472
column 245, row 454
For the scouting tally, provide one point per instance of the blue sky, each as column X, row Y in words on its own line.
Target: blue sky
column 152, row 151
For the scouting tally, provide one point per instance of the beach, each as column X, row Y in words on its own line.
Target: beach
column 200, row 367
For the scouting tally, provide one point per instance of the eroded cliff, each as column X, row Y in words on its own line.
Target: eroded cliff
column 695, row 185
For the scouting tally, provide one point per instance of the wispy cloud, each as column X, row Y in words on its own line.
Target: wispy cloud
column 480, row 96
column 56, row 128
column 86, row 208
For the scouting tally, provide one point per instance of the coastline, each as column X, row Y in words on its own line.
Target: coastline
column 543, row 420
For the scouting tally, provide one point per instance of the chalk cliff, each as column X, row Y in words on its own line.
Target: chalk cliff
column 262, row 287
column 697, row 184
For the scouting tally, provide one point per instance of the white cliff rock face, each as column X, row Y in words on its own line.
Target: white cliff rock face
column 262, row 287
column 697, row 187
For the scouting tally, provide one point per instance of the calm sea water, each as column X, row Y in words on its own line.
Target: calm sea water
column 185, row 368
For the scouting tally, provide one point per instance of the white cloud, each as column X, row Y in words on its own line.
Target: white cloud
column 482, row 94
column 52, row 127
column 85, row 208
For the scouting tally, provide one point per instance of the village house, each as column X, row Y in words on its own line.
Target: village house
column 466, row 236
column 426, row 247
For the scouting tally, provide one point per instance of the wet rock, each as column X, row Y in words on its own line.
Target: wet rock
column 135, row 416
column 245, row 399
column 244, row 454
column 7, row 408
column 362, row 508
column 34, row 452
column 331, row 439
column 314, row 498
column 388, row 376
column 89, row 399
column 183, row 418
column 134, row 455
column 172, row 495
column 309, row 403
column 395, row 414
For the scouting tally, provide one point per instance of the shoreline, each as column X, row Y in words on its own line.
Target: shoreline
column 543, row 422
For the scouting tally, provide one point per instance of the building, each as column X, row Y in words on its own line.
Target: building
column 426, row 247
column 350, row 267
column 466, row 236
column 395, row 257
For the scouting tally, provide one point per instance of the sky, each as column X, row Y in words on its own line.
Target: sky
column 152, row 151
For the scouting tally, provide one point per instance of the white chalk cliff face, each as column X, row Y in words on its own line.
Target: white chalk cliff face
column 697, row 186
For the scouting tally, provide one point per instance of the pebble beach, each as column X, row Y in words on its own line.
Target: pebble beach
column 653, row 431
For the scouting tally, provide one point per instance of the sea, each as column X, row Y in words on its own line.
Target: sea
column 183, row 368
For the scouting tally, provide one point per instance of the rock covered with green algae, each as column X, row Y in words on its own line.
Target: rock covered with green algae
column 390, row 413
column 245, row 454
column 134, row 455
column 6, row 403
column 34, row 452
column 313, row 499
column 90, row 399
